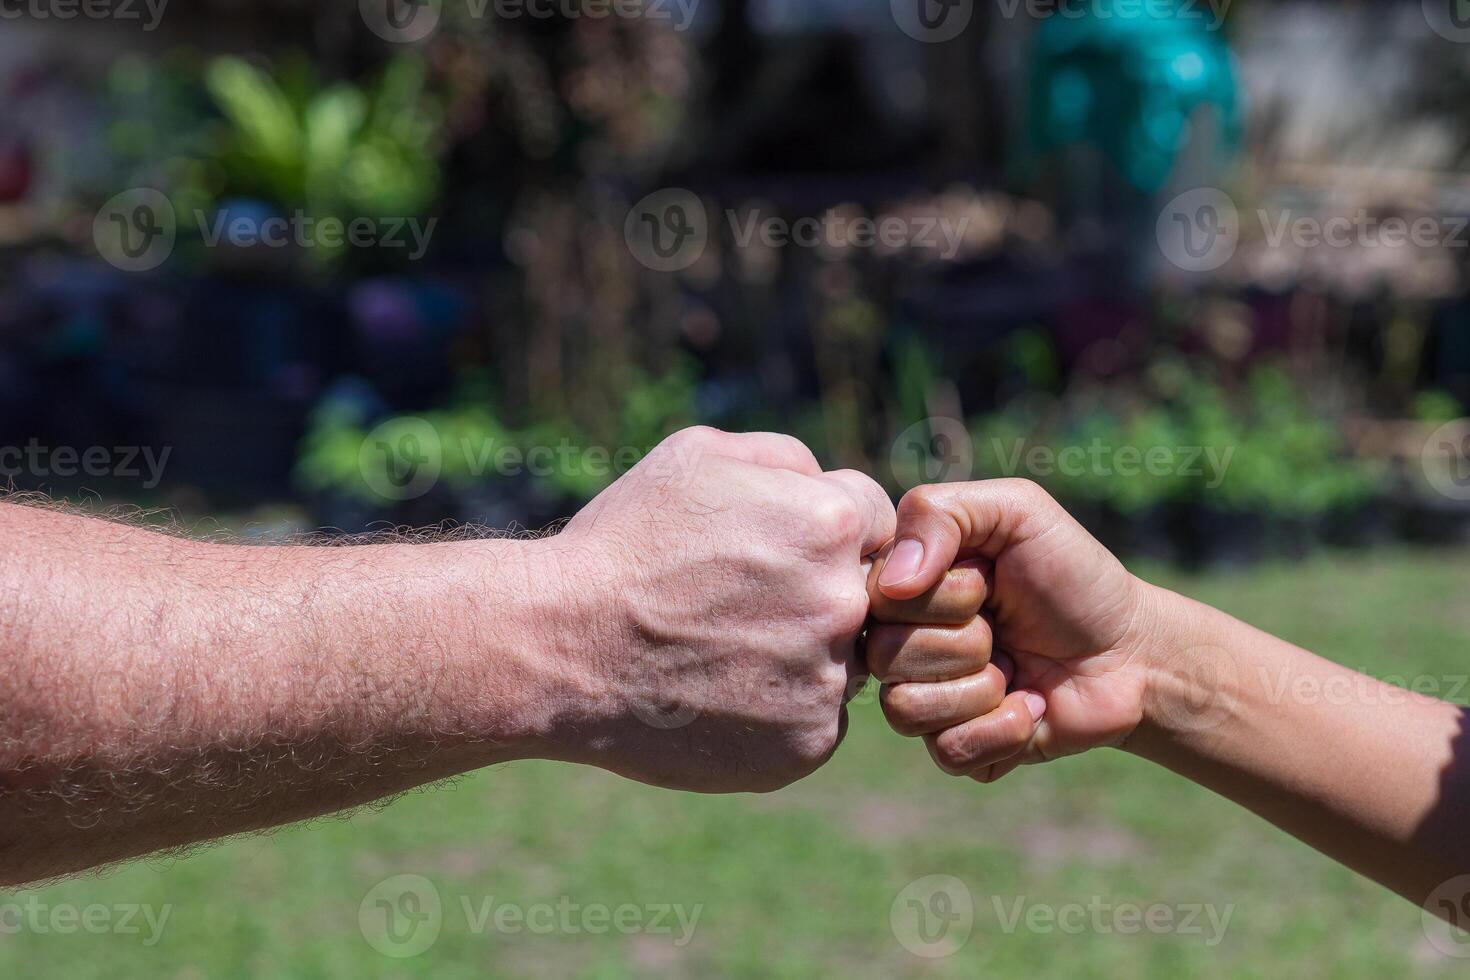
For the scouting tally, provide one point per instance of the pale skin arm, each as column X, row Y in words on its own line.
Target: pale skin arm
column 159, row 691
column 694, row 627
column 1368, row 773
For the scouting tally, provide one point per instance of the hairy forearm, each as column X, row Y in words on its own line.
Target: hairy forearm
column 1369, row 773
column 160, row 691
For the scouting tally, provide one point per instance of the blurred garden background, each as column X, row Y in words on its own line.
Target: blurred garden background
column 1197, row 267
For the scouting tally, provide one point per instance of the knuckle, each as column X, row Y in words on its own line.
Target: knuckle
column 990, row 688
column 834, row 684
column 835, row 517
column 952, row 751
column 846, row 610
column 860, row 481
column 694, row 435
column 923, row 498
column 899, row 706
column 794, row 445
column 817, row 747
column 1029, row 490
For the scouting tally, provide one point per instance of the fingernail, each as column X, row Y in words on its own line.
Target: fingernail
column 1036, row 704
column 903, row 562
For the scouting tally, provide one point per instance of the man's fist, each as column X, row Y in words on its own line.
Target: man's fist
column 720, row 591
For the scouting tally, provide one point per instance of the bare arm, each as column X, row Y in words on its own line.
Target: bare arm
column 159, row 691
column 1368, row 773
column 694, row 626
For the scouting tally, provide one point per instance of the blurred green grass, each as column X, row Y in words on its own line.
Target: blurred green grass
column 800, row 883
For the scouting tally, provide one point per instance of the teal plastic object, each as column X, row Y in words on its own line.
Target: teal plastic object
column 1127, row 77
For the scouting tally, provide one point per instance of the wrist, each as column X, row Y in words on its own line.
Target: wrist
column 527, row 675
column 1188, row 675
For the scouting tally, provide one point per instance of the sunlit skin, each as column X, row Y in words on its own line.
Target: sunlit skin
column 695, row 626
column 1093, row 656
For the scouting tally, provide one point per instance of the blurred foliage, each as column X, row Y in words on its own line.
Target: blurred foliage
column 209, row 132
column 1436, row 406
column 1262, row 447
column 336, row 149
column 471, row 431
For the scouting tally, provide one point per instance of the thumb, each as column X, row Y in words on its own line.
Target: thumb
column 935, row 522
